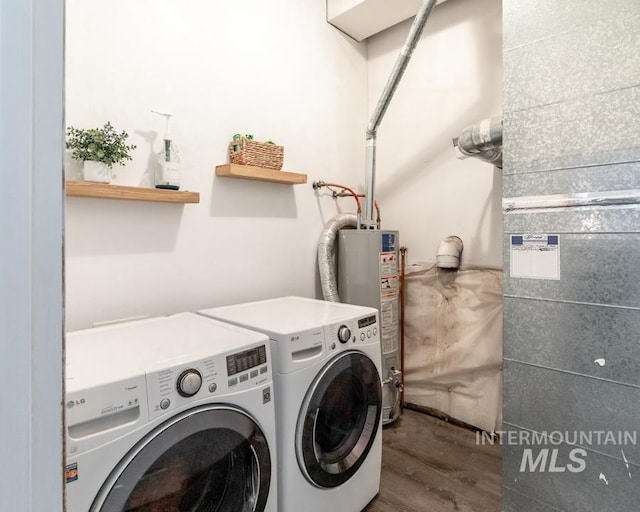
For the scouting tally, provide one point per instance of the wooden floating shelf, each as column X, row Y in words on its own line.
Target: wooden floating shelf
column 248, row 172
column 107, row 191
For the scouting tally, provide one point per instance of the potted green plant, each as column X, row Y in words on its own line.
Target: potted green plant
column 99, row 149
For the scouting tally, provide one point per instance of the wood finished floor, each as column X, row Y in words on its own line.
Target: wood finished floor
column 429, row 465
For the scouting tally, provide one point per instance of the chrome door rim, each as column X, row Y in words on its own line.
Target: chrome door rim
column 331, row 474
column 260, row 451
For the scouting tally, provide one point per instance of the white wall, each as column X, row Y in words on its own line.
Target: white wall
column 453, row 80
column 31, row 221
column 274, row 69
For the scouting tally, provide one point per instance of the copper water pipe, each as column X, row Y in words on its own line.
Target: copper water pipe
column 403, row 254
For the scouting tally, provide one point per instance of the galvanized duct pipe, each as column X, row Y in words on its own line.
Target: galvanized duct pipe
column 482, row 140
column 326, row 253
column 392, row 84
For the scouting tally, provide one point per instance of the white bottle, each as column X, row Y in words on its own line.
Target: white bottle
column 167, row 172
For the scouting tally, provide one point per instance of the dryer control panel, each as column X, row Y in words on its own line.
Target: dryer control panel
column 189, row 382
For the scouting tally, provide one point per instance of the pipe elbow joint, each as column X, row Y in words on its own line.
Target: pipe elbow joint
column 449, row 252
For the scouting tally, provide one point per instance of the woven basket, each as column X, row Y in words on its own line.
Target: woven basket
column 259, row 154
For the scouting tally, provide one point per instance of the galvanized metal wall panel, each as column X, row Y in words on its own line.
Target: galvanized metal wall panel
column 581, row 179
column 528, row 21
column 594, row 269
column 572, row 104
column 590, row 130
column 585, row 219
column 566, row 402
column 595, row 341
column 561, row 68
column 604, row 486
column 515, row 502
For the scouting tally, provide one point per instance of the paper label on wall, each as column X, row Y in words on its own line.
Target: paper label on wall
column 535, row 256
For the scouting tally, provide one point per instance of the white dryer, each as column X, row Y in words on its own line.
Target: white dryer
column 326, row 360
column 169, row 414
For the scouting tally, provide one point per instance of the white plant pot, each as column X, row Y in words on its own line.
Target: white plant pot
column 96, row 171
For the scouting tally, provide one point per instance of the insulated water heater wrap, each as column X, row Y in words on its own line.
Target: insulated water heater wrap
column 369, row 275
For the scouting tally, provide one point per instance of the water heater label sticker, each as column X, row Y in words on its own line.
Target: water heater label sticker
column 388, row 284
column 389, row 320
column 388, row 242
column 388, row 263
column 535, row 256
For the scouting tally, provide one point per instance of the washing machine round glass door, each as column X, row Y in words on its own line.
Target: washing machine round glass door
column 339, row 420
column 207, row 459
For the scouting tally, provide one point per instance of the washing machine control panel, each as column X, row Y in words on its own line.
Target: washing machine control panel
column 353, row 332
column 188, row 383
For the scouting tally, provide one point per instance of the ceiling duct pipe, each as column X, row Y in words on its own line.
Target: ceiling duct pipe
column 482, row 140
column 402, row 61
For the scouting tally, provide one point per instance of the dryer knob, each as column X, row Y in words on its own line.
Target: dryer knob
column 189, row 382
column 344, row 334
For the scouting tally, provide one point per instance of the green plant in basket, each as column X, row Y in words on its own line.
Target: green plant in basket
column 99, row 145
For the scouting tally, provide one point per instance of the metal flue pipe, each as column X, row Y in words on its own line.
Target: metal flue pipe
column 392, row 84
column 482, row 140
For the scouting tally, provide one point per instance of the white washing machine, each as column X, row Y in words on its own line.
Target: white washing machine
column 170, row 414
column 326, row 359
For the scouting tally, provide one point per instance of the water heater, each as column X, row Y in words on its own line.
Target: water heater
column 368, row 275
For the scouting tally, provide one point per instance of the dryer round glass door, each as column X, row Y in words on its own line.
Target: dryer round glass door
column 203, row 460
column 339, row 420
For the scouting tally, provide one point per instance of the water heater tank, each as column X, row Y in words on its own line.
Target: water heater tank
column 369, row 275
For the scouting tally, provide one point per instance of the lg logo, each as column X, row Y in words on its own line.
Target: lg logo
column 73, row 403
